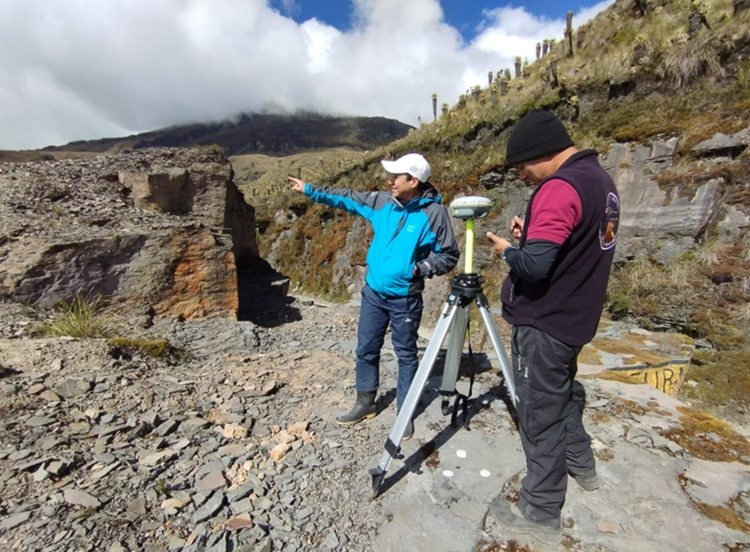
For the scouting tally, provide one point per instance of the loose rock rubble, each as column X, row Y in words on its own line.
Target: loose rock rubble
column 233, row 446
column 222, row 451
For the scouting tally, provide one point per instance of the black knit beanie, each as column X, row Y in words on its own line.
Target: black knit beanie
column 537, row 134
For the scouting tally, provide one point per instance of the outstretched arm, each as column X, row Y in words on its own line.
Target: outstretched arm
column 358, row 203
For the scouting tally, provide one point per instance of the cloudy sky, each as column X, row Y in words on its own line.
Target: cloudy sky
column 87, row 69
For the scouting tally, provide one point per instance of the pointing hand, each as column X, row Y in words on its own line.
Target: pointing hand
column 299, row 185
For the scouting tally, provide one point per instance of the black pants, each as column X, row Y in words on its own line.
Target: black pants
column 550, row 410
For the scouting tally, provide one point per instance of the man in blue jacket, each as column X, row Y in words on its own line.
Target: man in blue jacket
column 413, row 240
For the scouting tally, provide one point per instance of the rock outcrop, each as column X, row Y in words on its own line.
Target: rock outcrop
column 669, row 221
column 160, row 231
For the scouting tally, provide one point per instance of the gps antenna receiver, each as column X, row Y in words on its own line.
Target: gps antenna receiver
column 468, row 208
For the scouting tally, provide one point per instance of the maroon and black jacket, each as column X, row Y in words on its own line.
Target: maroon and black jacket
column 567, row 303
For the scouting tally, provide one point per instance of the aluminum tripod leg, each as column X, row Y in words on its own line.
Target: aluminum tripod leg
column 393, row 443
column 454, row 317
column 505, row 366
column 455, row 349
column 453, row 356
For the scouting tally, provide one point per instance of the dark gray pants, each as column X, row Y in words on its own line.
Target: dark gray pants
column 550, row 411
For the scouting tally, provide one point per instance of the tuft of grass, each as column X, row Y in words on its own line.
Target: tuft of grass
column 743, row 75
column 160, row 488
column 645, row 287
column 695, row 60
column 714, row 252
column 82, row 317
column 688, row 174
column 717, row 326
column 742, row 314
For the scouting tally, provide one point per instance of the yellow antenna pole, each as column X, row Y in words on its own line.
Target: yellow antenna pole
column 469, row 260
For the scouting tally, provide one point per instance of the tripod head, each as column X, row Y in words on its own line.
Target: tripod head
column 468, row 208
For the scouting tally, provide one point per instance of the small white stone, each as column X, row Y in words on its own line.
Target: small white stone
column 461, row 453
column 447, row 473
column 485, row 473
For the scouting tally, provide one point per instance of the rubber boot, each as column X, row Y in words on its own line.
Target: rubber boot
column 364, row 409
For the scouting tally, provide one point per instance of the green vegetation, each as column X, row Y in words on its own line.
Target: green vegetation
column 156, row 348
column 87, row 318
column 719, row 380
column 709, row 438
column 318, row 239
column 82, row 317
column 160, row 488
column 743, row 76
column 260, row 175
column 645, row 289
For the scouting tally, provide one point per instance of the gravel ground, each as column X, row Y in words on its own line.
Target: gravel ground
column 230, row 448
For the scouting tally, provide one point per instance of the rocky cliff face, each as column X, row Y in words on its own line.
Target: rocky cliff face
column 160, row 231
column 669, row 220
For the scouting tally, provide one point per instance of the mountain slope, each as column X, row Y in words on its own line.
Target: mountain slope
column 260, row 133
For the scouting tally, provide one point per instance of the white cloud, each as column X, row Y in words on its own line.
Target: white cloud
column 86, row 69
column 320, row 42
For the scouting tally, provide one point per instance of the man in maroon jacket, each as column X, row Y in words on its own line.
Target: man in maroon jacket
column 553, row 297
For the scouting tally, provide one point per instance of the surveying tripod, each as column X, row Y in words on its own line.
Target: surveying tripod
column 454, row 319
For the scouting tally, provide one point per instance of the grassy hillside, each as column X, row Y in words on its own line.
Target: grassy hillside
column 632, row 77
column 641, row 70
column 260, row 175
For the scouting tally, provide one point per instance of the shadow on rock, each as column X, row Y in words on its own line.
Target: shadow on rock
column 415, row 461
column 263, row 298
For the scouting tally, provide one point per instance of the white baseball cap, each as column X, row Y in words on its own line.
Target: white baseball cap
column 412, row 163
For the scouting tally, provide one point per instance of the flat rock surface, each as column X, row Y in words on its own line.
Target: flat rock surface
column 236, row 447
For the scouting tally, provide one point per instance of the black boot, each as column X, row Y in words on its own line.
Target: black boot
column 364, row 409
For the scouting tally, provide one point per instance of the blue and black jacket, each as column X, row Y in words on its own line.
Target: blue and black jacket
column 416, row 234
